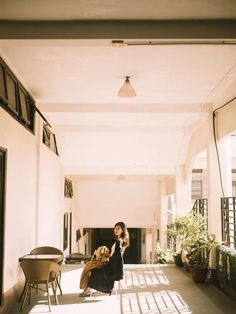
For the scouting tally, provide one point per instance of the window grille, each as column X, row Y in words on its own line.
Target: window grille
column 228, row 216
column 200, row 207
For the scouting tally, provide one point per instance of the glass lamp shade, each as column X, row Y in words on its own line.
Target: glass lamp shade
column 126, row 89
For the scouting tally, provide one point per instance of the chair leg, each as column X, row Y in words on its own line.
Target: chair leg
column 55, row 292
column 24, row 296
column 49, row 302
column 29, row 293
column 23, row 291
column 59, row 285
column 118, row 288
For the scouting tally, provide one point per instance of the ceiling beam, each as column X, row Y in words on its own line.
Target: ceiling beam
column 164, row 130
column 129, row 107
column 119, row 29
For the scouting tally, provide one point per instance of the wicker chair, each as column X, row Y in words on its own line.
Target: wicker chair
column 40, row 272
column 50, row 250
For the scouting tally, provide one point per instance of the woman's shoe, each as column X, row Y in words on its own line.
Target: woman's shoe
column 84, row 294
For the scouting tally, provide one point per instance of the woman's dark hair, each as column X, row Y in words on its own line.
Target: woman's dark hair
column 125, row 234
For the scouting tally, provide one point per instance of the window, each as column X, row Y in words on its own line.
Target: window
column 65, row 232
column 11, row 93
column 3, row 94
column 15, row 99
column 68, row 188
column 234, row 188
column 78, row 235
column 49, row 139
column 197, row 190
column 24, row 106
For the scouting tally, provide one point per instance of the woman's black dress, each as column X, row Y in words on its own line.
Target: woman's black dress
column 102, row 279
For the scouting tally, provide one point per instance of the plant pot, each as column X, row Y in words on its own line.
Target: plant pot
column 186, row 267
column 199, row 274
column 178, row 260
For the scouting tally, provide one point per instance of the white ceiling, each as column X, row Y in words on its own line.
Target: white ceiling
column 75, row 84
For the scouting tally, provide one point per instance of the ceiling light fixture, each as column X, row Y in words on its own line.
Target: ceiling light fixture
column 122, row 43
column 126, row 89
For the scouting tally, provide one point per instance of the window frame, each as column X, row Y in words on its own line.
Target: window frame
column 21, row 89
column 68, row 188
column 9, row 105
column 4, row 97
column 49, row 139
column 17, row 113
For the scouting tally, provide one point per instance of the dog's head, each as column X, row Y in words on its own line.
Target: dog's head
column 101, row 253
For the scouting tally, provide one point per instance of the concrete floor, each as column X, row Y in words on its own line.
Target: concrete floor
column 146, row 289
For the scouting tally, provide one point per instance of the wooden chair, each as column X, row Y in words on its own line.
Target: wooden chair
column 50, row 250
column 39, row 272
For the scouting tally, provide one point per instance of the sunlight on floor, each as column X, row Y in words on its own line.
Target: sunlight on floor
column 153, row 302
column 145, row 289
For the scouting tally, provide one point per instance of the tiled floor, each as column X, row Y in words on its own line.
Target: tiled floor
column 146, row 289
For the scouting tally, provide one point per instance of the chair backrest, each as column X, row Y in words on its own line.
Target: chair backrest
column 46, row 250
column 39, row 271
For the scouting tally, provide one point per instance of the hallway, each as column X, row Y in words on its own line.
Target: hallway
column 146, row 289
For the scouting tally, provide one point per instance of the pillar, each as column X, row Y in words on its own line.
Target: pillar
column 214, row 184
column 182, row 192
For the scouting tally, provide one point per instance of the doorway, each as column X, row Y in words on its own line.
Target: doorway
column 105, row 236
column 2, row 216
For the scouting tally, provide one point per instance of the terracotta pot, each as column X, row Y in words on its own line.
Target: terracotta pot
column 199, row 274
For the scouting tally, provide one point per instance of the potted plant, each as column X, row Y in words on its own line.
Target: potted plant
column 198, row 255
column 175, row 233
column 182, row 233
column 163, row 255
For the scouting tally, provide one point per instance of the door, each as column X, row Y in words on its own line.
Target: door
column 2, row 216
column 133, row 252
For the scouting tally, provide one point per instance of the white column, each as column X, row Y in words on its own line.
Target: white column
column 214, row 183
column 38, row 133
column 182, row 192
column 162, row 217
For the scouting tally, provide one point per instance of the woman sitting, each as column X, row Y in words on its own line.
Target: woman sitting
column 101, row 275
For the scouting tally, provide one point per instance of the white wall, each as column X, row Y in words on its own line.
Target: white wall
column 20, row 194
column 103, row 203
column 34, row 195
column 51, row 196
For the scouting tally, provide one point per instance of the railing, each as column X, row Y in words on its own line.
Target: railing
column 200, row 207
column 228, row 217
column 171, row 243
